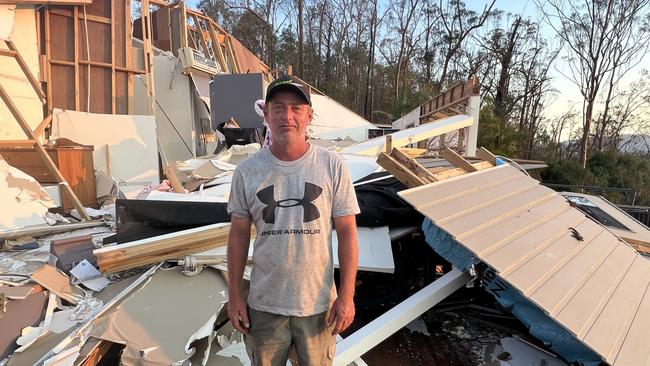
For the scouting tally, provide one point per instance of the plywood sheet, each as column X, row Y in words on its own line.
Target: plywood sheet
column 13, row 79
column 573, row 268
column 130, row 140
column 7, row 13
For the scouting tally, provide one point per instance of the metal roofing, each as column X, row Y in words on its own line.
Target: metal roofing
column 573, row 268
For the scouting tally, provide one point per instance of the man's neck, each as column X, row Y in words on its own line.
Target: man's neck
column 289, row 152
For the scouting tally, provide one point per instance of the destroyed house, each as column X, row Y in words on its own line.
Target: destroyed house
column 121, row 125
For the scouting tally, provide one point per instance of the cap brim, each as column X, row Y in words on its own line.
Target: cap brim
column 287, row 87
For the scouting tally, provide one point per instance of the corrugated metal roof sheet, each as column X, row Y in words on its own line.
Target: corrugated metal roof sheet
column 577, row 271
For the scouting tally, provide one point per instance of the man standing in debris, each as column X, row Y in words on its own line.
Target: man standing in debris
column 292, row 192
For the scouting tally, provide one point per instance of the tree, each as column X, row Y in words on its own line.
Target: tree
column 594, row 33
column 458, row 23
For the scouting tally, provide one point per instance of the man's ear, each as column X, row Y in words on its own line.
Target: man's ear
column 311, row 114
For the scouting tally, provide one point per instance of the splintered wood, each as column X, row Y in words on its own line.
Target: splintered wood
column 402, row 165
column 169, row 246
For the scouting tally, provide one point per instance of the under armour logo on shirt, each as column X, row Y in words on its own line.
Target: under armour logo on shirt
column 309, row 210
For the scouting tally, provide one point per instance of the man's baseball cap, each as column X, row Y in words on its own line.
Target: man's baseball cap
column 289, row 83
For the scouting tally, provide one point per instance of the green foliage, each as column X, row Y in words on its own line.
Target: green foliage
column 605, row 169
column 495, row 134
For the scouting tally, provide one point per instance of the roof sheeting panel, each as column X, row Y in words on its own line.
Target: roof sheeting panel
column 573, row 268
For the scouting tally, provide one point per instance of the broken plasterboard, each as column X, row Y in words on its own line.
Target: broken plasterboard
column 151, row 322
column 23, row 200
column 22, row 22
column 411, row 135
column 125, row 145
column 576, row 271
column 375, row 251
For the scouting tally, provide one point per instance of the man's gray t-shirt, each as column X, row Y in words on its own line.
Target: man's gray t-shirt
column 291, row 204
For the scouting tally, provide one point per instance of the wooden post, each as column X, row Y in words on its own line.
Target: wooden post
column 216, row 47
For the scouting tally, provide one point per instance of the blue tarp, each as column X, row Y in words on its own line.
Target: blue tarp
column 538, row 322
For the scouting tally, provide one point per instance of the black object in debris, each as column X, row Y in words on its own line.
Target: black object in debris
column 380, row 205
column 139, row 219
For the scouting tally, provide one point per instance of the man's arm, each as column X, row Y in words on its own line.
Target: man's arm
column 343, row 310
column 238, row 243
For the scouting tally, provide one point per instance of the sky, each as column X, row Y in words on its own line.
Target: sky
column 568, row 95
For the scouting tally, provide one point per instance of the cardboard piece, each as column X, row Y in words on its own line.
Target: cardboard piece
column 23, row 200
column 19, row 314
column 150, row 324
column 57, row 282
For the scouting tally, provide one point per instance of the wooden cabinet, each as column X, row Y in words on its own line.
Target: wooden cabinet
column 75, row 162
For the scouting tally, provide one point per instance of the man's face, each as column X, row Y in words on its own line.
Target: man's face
column 288, row 117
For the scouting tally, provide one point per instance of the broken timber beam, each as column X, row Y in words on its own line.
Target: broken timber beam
column 163, row 247
column 457, row 160
column 484, row 154
column 358, row 343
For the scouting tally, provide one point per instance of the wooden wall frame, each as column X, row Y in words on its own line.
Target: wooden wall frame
column 88, row 56
column 33, row 135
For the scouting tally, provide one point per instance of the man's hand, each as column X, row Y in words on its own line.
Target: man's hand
column 238, row 314
column 342, row 312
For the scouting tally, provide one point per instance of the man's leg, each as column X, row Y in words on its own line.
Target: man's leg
column 313, row 339
column 268, row 338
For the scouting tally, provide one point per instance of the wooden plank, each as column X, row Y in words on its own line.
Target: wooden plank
column 113, row 93
column 399, row 171
column 23, row 66
column 216, row 45
column 457, row 160
column 164, row 247
column 412, row 152
column 170, row 173
column 128, row 54
column 204, row 43
column 231, row 52
column 484, row 154
column 48, row 55
column 8, row 53
column 412, row 165
column 75, row 27
column 389, row 143
column 38, row 131
column 17, row 143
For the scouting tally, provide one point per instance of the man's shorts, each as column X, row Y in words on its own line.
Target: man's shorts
column 270, row 336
